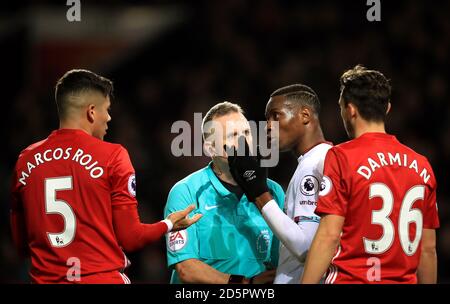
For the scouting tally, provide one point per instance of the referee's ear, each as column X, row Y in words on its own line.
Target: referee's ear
column 209, row 149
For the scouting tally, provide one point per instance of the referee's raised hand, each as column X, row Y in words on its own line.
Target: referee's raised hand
column 181, row 220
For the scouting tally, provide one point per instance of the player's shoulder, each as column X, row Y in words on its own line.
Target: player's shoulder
column 347, row 149
column 32, row 147
column 314, row 157
column 409, row 150
column 323, row 148
column 105, row 145
column 104, row 149
column 413, row 154
column 346, row 145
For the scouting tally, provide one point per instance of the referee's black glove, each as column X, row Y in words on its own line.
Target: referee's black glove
column 247, row 171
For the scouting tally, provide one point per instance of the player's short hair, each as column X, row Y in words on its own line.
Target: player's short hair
column 299, row 94
column 368, row 90
column 75, row 82
column 219, row 110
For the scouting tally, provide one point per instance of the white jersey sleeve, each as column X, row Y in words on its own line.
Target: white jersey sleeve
column 297, row 237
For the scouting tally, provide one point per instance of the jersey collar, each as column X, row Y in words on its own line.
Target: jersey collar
column 312, row 148
column 69, row 131
column 220, row 188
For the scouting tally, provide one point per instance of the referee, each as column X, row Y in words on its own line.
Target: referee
column 232, row 243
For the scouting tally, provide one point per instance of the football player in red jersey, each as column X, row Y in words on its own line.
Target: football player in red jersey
column 74, row 208
column 378, row 208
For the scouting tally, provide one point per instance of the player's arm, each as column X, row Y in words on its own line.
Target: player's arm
column 133, row 235
column 18, row 231
column 17, row 221
column 427, row 270
column 130, row 232
column 296, row 237
column 194, row 271
column 323, row 248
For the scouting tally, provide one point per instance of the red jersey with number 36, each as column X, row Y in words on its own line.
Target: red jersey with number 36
column 387, row 194
column 66, row 186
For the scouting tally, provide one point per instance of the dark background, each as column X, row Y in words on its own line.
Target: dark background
column 213, row 51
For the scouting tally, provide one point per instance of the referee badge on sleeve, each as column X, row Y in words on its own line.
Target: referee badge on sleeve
column 176, row 240
column 132, row 185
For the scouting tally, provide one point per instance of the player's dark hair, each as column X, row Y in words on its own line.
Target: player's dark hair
column 300, row 94
column 79, row 81
column 368, row 90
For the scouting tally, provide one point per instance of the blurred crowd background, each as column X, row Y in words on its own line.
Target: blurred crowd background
column 169, row 59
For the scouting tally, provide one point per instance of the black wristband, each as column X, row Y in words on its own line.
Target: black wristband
column 236, row 279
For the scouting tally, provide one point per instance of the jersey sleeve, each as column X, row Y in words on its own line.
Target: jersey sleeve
column 17, row 220
column 183, row 244
column 278, row 195
column 332, row 197
column 430, row 217
column 16, row 204
column 122, row 179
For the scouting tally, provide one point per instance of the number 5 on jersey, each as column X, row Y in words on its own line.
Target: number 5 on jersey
column 55, row 206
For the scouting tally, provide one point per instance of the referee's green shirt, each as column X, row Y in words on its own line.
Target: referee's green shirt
column 232, row 235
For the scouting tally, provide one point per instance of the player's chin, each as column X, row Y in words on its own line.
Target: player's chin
column 283, row 147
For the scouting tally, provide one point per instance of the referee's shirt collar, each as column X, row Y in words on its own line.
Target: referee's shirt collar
column 220, row 188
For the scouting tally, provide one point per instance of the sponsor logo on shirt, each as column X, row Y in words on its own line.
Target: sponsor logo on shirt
column 309, row 185
column 132, row 185
column 176, row 240
column 308, row 203
column 325, row 186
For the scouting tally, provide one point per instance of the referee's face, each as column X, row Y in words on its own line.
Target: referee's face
column 233, row 126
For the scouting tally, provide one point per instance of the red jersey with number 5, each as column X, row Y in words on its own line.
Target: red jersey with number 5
column 65, row 187
column 387, row 194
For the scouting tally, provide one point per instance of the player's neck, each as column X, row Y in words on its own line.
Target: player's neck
column 309, row 140
column 71, row 124
column 363, row 127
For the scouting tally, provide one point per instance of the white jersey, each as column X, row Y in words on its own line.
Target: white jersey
column 300, row 202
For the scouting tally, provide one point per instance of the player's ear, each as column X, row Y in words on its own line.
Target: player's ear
column 352, row 110
column 388, row 108
column 90, row 113
column 305, row 115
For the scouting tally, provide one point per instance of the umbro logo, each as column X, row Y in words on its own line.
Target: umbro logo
column 248, row 173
